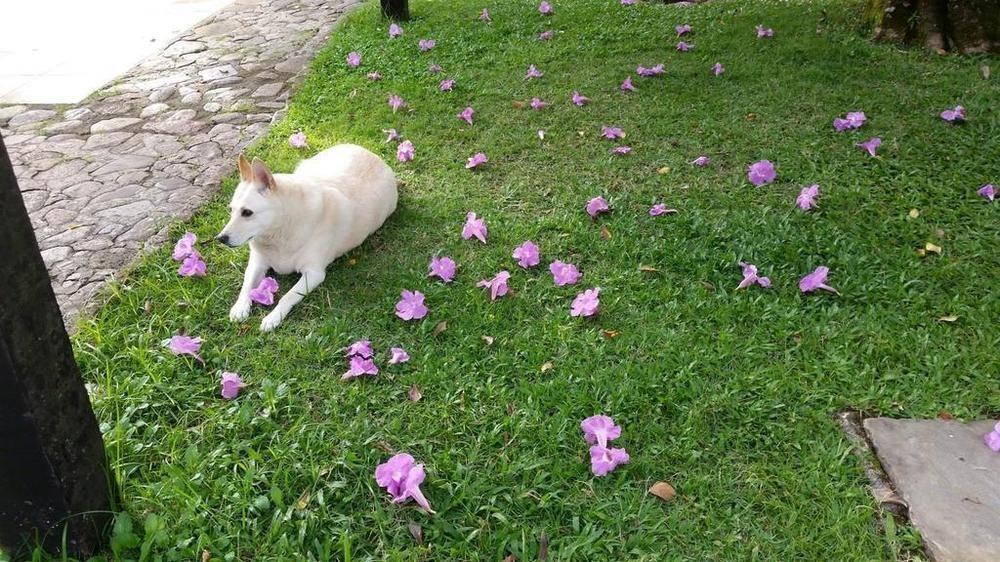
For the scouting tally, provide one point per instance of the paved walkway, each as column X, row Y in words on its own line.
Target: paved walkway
column 103, row 180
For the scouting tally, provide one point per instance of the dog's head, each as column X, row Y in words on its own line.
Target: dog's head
column 253, row 208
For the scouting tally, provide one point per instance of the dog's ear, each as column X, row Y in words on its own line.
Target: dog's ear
column 262, row 176
column 246, row 174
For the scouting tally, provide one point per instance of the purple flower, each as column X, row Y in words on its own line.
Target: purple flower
column 396, row 102
column 497, row 285
column 586, row 303
column 807, row 197
column 956, row 115
column 231, row 384
column 545, row 8
column 598, row 430
column 764, row 32
column 192, row 266
column 447, row 85
column 264, row 292
column 871, row 145
column 684, row 47
column 485, row 16
column 660, row 209
column 580, row 99
column 992, row 439
column 354, row 59
column 841, row 125
column 718, row 69
column 596, row 206
column 360, row 348
column 761, row 172
column 399, row 355
column 474, row 227
column 394, row 31
column 546, row 35
column 533, row 73
column 853, row 120
column 537, row 104
column 391, row 135
column 564, row 273
column 628, row 2
column 467, row 114
column 612, row 132
column 405, row 151
column 682, row 29
column 654, row 71
column 360, row 366
column 443, row 268
column 701, row 161
column 604, row 460
column 297, row 140
column 374, row 76
column 750, row 277
column 476, row 160
column 816, row 280
column 988, row 191
column 184, row 345
column 526, row 254
column 434, row 68
column 426, row 44
column 621, row 150
column 627, row 85
column 185, row 246
column 402, row 478
column 411, row 305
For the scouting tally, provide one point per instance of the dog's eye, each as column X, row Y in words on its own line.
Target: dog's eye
column 246, row 212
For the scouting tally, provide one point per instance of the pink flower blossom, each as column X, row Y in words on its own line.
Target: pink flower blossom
column 761, row 172
column 426, row 44
column 604, row 460
column 411, row 305
column 596, row 206
column 185, row 345
column 533, row 73
column 399, row 355
column 447, row 85
column 443, row 268
column 476, row 160
column 661, row 209
column 718, row 69
column 750, row 277
column 485, row 16
column 816, row 280
column 546, row 35
column 807, row 197
column 628, row 2
column 467, row 114
column 405, row 151
column 391, row 135
column 185, row 246
column 545, row 8
column 988, row 191
column 654, row 71
column 599, row 430
column 402, row 478
column 297, row 140
column 394, row 31
column 992, row 439
column 764, row 32
column 193, row 266
column 580, row 99
column 538, row 104
column 853, row 120
column 474, row 228
column 497, row 285
column 564, row 273
column 682, row 29
column 612, row 132
column 526, row 254
column 684, row 46
column 870, row 145
column 701, row 161
column 231, row 384
column 586, row 303
column 955, row 116
column 360, row 348
column 621, row 150
column 627, row 85
column 354, row 59
column 360, row 366
column 264, row 292
column 396, row 102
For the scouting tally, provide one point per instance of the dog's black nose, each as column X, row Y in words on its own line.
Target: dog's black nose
column 224, row 238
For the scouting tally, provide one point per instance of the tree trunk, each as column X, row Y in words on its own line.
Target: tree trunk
column 396, row 9
column 964, row 26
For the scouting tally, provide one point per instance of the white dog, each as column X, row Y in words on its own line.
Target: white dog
column 304, row 220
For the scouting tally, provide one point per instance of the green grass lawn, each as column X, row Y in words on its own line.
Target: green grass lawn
column 727, row 395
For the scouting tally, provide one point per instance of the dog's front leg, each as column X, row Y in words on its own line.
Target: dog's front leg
column 256, row 268
column 311, row 278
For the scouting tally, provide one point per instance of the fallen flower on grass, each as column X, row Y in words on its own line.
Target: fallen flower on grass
column 193, row 266
column 434, row 68
column 627, row 85
column 396, row 102
column 426, row 44
column 467, row 114
column 405, row 151
column 526, row 254
column 761, row 172
column 599, row 429
column 391, row 135
column 579, row 99
column 654, row 71
column 185, row 345
column 447, row 85
column 399, row 355
column 394, row 31
column 660, row 209
column 682, row 29
column 185, row 246
column 954, row 116
column 231, row 384
column 621, row 150
column 546, row 35
column 497, row 285
column 764, row 32
column 628, row 2
column 264, row 292
column 988, row 192
column 684, row 47
column 807, row 197
column 853, row 120
column 750, row 277
column 297, row 140
column 545, row 9
column 411, row 305
column 612, row 132
column 533, row 73
column 541, row 134
column 402, row 478
column 596, row 206
column 485, row 16
column 586, row 303
column 474, row 227
column 354, row 59
column 564, row 273
column 604, row 460
column 538, row 104
column 992, row 439
column 870, row 145
column 476, row 160
column 816, row 280
column 360, row 348
column 718, row 69
column 443, row 268
column 360, row 366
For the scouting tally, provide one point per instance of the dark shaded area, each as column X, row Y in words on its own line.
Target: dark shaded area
column 396, row 9
column 53, row 472
column 963, row 26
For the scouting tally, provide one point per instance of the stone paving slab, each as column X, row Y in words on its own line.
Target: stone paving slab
column 104, row 179
column 949, row 479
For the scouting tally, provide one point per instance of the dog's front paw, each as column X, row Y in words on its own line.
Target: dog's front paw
column 240, row 311
column 270, row 322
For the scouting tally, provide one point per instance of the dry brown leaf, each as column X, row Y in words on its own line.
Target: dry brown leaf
column 605, row 233
column 510, row 558
column 945, row 415
column 933, row 248
column 708, row 286
column 303, row 500
column 510, row 408
column 518, row 104
column 921, row 252
column 663, row 171
column 610, row 334
column 417, row 532
column 914, row 213
column 581, row 133
column 441, row 326
column 663, row 490
column 488, row 340
column 543, row 547
column 948, row 318
column 147, row 306
column 414, row 394
column 547, row 366
column 985, row 70
column 647, row 269
column 751, row 116
column 206, row 555
column 352, row 262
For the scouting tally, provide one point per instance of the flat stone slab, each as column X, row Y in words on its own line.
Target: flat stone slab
column 949, row 479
